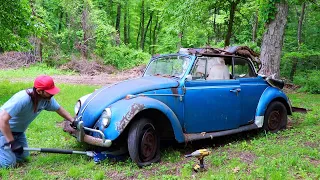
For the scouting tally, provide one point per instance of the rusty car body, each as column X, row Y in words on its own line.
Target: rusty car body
column 191, row 95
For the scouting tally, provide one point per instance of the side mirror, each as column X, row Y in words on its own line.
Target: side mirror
column 189, row 77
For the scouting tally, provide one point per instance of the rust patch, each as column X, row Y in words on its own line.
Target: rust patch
column 93, row 140
column 135, row 108
column 174, row 90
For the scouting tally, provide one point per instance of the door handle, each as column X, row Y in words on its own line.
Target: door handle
column 235, row 90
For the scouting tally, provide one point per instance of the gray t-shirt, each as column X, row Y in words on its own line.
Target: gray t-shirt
column 20, row 108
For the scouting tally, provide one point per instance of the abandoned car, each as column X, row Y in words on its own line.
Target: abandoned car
column 192, row 95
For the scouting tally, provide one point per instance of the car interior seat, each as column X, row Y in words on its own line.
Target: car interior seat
column 218, row 69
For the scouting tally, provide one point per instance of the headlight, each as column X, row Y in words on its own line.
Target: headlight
column 77, row 107
column 80, row 103
column 106, row 117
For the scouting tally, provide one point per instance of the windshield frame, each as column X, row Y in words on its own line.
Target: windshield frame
column 168, row 56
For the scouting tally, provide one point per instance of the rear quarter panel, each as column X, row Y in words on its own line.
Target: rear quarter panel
column 267, row 97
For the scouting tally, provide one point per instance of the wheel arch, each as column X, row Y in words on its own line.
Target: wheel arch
column 272, row 94
column 160, row 120
column 269, row 95
column 152, row 109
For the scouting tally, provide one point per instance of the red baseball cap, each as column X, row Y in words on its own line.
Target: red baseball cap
column 46, row 83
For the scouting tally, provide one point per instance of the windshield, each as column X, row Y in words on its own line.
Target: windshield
column 170, row 66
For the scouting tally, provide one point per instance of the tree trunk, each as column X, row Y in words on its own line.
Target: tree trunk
column 303, row 7
column 109, row 10
column 273, row 40
column 293, row 68
column 300, row 23
column 118, row 17
column 154, row 35
column 138, row 36
column 233, row 6
column 118, row 24
column 215, row 25
column 128, row 25
column 180, row 35
column 255, row 27
column 150, row 37
column 85, row 29
column 146, row 30
column 142, row 25
column 125, row 24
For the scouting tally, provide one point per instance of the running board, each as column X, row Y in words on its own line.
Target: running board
column 211, row 135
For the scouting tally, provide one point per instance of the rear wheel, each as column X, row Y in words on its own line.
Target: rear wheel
column 143, row 142
column 275, row 117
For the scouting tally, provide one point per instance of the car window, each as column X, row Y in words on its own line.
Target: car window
column 242, row 69
column 169, row 66
column 212, row 68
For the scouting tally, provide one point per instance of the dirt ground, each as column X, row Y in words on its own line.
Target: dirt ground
column 101, row 79
column 90, row 72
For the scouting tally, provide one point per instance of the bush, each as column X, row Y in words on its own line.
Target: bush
column 123, row 57
column 309, row 81
column 304, row 61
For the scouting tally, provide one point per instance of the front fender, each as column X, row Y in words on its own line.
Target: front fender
column 124, row 111
column 267, row 96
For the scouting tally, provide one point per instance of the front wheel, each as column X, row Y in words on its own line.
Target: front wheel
column 143, row 142
column 275, row 117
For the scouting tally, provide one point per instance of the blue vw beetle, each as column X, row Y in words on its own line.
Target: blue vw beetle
column 194, row 94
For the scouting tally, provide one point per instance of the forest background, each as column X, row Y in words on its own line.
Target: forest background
column 126, row 33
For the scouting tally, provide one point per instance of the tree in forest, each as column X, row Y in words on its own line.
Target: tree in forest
column 233, row 6
column 275, row 15
column 16, row 24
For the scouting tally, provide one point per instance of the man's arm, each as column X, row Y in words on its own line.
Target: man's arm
column 4, row 125
column 63, row 113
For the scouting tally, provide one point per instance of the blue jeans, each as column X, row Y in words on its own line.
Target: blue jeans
column 9, row 158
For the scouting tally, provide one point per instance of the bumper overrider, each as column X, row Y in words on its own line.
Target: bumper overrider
column 81, row 136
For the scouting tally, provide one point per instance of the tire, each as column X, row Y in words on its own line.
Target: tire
column 275, row 117
column 143, row 143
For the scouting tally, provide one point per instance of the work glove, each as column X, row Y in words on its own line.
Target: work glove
column 14, row 146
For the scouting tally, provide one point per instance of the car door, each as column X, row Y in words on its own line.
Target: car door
column 210, row 104
column 251, row 86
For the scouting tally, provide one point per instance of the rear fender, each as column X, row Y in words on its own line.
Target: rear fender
column 270, row 94
column 123, row 111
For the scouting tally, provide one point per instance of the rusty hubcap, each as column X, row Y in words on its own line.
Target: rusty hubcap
column 148, row 144
column 274, row 120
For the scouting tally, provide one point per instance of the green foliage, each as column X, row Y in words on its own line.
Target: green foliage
column 16, row 25
column 268, row 9
column 306, row 60
column 123, row 57
column 309, row 81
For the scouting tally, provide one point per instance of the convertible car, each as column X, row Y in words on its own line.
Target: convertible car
column 195, row 94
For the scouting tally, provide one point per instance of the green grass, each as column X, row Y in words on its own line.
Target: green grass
column 31, row 72
column 289, row 154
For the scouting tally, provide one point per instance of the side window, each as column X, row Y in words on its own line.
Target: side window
column 242, row 69
column 212, row 68
column 199, row 70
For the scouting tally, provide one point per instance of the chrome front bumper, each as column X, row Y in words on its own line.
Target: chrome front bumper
column 82, row 137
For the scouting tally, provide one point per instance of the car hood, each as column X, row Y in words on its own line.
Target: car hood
column 92, row 108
